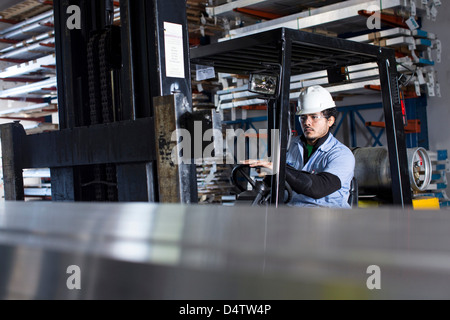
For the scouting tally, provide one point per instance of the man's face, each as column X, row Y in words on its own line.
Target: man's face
column 315, row 126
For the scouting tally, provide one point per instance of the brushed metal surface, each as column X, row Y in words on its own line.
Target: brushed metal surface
column 149, row 251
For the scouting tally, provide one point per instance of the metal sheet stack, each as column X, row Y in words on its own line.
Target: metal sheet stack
column 213, row 181
column 28, row 70
column 387, row 23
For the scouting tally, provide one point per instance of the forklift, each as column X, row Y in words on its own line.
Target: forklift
column 271, row 58
column 123, row 97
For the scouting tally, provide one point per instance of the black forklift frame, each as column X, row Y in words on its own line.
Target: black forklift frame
column 302, row 52
column 131, row 145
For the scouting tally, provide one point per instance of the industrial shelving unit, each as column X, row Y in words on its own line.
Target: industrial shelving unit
column 348, row 19
column 302, row 52
column 28, row 78
column 417, row 52
column 330, row 17
column 29, row 83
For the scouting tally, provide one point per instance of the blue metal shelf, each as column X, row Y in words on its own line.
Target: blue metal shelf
column 415, row 109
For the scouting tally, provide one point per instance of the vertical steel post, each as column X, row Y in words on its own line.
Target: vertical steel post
column 72, row 77
column 12, row 136
column 136, row 60
column 62, row 184
column 171, row 76
column 151, row 71
column 65, row 58
column 136, row 182
column 353, row 128
column 398, row 159
column 282, row 119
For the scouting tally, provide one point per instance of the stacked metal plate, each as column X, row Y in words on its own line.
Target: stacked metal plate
column 276, row 7
column 30, row 27
column 419, row 50
column 29, row 82
column 170, row 252
column 213, row 180
column 334, row 17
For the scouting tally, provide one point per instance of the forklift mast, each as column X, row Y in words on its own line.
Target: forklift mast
column 122, row 91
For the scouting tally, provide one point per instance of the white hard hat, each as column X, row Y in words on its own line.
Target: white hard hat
column 314, row 99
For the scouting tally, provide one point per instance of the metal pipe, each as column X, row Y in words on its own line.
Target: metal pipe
column 25, row 32
column 26, row 22
column 36, row 49
column 28, row 42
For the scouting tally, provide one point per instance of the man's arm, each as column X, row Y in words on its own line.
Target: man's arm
column 315, row 186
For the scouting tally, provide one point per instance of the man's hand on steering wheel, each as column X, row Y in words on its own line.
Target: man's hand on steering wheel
column 261, row 188
column 266, row 166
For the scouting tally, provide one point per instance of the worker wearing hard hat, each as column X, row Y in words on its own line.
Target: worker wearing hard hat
column 319, row 167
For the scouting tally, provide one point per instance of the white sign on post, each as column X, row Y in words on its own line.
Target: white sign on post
column 173, row 42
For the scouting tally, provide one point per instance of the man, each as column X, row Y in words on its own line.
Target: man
column 319, row 167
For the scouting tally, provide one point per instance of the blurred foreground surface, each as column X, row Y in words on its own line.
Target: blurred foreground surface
column 152, row 251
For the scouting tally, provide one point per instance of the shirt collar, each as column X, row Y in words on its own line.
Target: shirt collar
column 319, row 142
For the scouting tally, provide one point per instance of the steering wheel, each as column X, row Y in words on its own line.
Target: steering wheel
column 260, row 187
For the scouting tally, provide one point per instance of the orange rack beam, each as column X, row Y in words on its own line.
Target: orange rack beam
column 412, row 127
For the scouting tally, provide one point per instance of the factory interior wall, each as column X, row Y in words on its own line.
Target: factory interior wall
column 439, row 107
